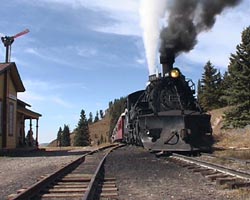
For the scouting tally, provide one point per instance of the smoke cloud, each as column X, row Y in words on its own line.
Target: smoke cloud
column 185, row 20
column 151, row 12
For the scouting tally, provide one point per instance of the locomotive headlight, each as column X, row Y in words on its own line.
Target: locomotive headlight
column 175, row 73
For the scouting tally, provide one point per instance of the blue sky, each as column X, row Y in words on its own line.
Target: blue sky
column 83, row 54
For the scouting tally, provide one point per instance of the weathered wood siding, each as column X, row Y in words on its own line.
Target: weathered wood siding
column 1, row 107
column 12, row 99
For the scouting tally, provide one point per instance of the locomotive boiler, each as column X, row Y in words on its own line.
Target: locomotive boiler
column 166, row 116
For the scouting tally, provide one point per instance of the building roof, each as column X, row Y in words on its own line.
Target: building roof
column 22, row 103
column 28, row 114
column 14, row 75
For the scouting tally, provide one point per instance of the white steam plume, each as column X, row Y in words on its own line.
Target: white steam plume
column 151, row 12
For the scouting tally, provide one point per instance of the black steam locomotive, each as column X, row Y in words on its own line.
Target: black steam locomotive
column 166, row 116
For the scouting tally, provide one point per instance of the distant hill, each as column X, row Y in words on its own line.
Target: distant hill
column 44, row 144
column 99, row 132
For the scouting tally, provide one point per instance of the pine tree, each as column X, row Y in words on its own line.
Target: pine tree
column 101, row 114
column 66, row 136
column 225, row 85
column 219, row 91
column 199, row 90
column 59, row 137
column 238, row 93
column 90, row 120
column 82, row 136
column 96, row 117
column 110, row 104
column 209, row 89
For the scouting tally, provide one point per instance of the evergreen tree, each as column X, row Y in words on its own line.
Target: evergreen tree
column 90, row 120
column 224, row 87
column 96, row 117
column 238, row 93
column 110, row 104
column 101, row 114
column 82, row 136
column 219, row 91
column 199, row 90
column 59, row 137
column 209, row 89
column 66, row 136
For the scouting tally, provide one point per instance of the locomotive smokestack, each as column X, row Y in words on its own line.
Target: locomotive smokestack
column 167, row 60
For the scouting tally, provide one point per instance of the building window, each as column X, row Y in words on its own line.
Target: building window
column 11, row 119
column 1, row 117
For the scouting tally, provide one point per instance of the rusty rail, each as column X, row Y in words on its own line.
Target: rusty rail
column 229, row 177
column 35, row 189
column 90, row 193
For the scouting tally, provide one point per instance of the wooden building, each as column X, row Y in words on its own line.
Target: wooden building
column 14, row 112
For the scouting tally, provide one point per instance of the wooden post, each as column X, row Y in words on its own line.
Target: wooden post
column 30, row 124
column 23, row 129
column 37, row 132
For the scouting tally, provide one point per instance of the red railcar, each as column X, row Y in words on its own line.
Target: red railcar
column 118, row 132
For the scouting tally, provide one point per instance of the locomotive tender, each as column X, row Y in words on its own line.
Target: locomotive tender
column 165, row 116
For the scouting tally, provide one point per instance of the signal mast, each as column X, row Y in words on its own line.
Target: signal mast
column 8, row 40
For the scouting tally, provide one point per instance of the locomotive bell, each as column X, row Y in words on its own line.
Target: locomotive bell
column 167, row 61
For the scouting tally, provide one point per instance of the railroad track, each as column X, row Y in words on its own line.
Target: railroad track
column 237, row 160
column 83, row 178
column 229, row 178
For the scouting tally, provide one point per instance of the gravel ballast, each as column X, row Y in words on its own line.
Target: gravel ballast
column 141, row 175
column 25, row 170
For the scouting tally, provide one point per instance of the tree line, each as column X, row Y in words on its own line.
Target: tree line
column 230, row 89
column 99, row 115
column 82, row 134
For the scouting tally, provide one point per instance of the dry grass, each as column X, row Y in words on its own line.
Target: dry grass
column 231, row 138
column 239, row 154
column 97, row 131
column 100, row 129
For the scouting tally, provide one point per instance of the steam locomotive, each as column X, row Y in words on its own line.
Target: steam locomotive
column 165, row 116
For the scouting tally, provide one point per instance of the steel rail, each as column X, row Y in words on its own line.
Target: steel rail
column 232, row 172
column 91, row 189
column 228, row 158
column 40, row 185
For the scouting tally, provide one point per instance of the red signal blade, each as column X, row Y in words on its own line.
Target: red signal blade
column 21, row 33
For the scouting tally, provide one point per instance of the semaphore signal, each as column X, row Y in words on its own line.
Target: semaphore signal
column 8, row 40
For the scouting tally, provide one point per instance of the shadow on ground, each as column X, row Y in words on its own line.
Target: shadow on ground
column 41, row 153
